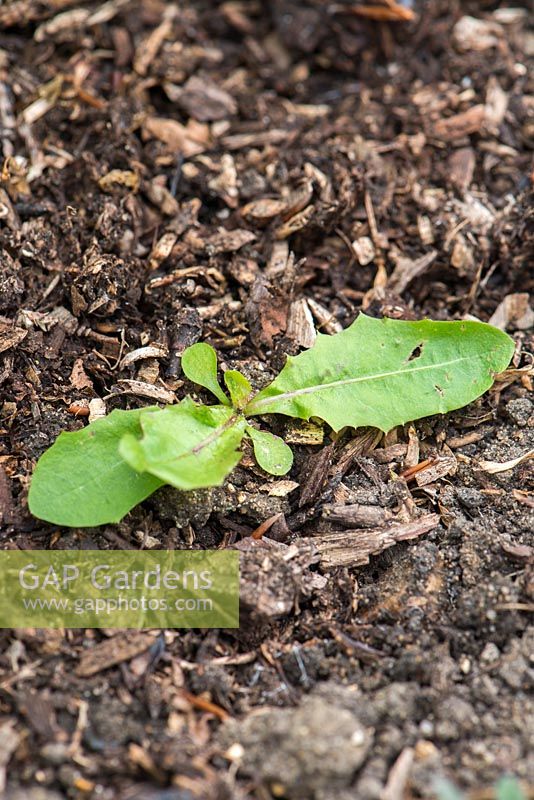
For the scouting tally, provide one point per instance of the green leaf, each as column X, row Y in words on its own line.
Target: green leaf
column 509, row 788
column 445, row 790
column 239, row 388
column 385, row 372
column 187, row 445
column 82, row 480
column 272, row 453
column 199, row 363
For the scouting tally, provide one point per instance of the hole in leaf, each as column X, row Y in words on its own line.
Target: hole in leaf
column 416, row 352
column 439, row 390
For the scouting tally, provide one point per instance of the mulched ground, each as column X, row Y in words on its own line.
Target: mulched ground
column 245, row 173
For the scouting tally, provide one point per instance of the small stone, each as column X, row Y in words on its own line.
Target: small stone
column 520, row 410
column 55, row 752
column 490, row 653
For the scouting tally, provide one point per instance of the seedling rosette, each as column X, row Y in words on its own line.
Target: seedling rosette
column 377, row 372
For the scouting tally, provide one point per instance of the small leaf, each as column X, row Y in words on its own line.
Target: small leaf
column 199, row 363
column 446, row 790
column 509, row 788
column 239, row 388
column 385, row 372
column 187, row 445
column 82, row 480
column 272, row 453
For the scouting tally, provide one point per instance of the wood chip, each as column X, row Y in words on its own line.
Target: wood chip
column 202, row 99
column 264, row 209
column 150, row 351
column 472, row 34
column 78, row 377
column 407, row 269
column 141, row 389
column 364, row 250
column 520, row 552
column 395, row 788
column 9, row 741
column 444, row 464
column 513, row 312
column 10, row 336
column 354, row 548
column 149, row 47
column 315, row 474
column 97, row 409
column 186, row 139
column 295, row 223
column 228, row 241
column 461, row 167
column 356, row 515
column 300, row 328
column 68, row 21
column 110, row 652
column 460, row 125
column 239, row 141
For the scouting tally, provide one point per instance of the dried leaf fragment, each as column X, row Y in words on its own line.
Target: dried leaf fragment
column 494, row 467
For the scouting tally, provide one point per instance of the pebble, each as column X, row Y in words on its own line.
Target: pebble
column 520, row 411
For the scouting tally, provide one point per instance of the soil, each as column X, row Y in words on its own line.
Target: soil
column 245, row 173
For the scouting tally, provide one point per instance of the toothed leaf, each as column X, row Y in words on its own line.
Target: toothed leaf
column 385, row 372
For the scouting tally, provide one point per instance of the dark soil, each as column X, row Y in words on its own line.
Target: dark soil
column 242, row 173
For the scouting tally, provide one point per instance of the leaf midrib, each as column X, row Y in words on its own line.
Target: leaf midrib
column 253, row 407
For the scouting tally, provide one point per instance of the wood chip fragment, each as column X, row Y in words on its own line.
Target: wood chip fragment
column 10, row 336
column 300, row 327
column 150, row 351
column 110, row 652
column 295, row 223
column 202, row 99
column 356, row 515
column 97, row 409
column 68, row 21
column 228, row 241
column 513, row 312
column 460, row 125
column 149, row 47
column 472, row 34
column 364, row 250
column 407, row 269
column 9, row 741
column 325, row 318
column 461, row 167
column 264, row 209
column 186, row 139
column 395, row 788
column 78, row 377
column 141, row 389
column 355, row 548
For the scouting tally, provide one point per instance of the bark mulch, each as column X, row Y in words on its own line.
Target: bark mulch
column 246, row 173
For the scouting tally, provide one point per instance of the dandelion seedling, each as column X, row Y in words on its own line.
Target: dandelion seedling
column 377, row 372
